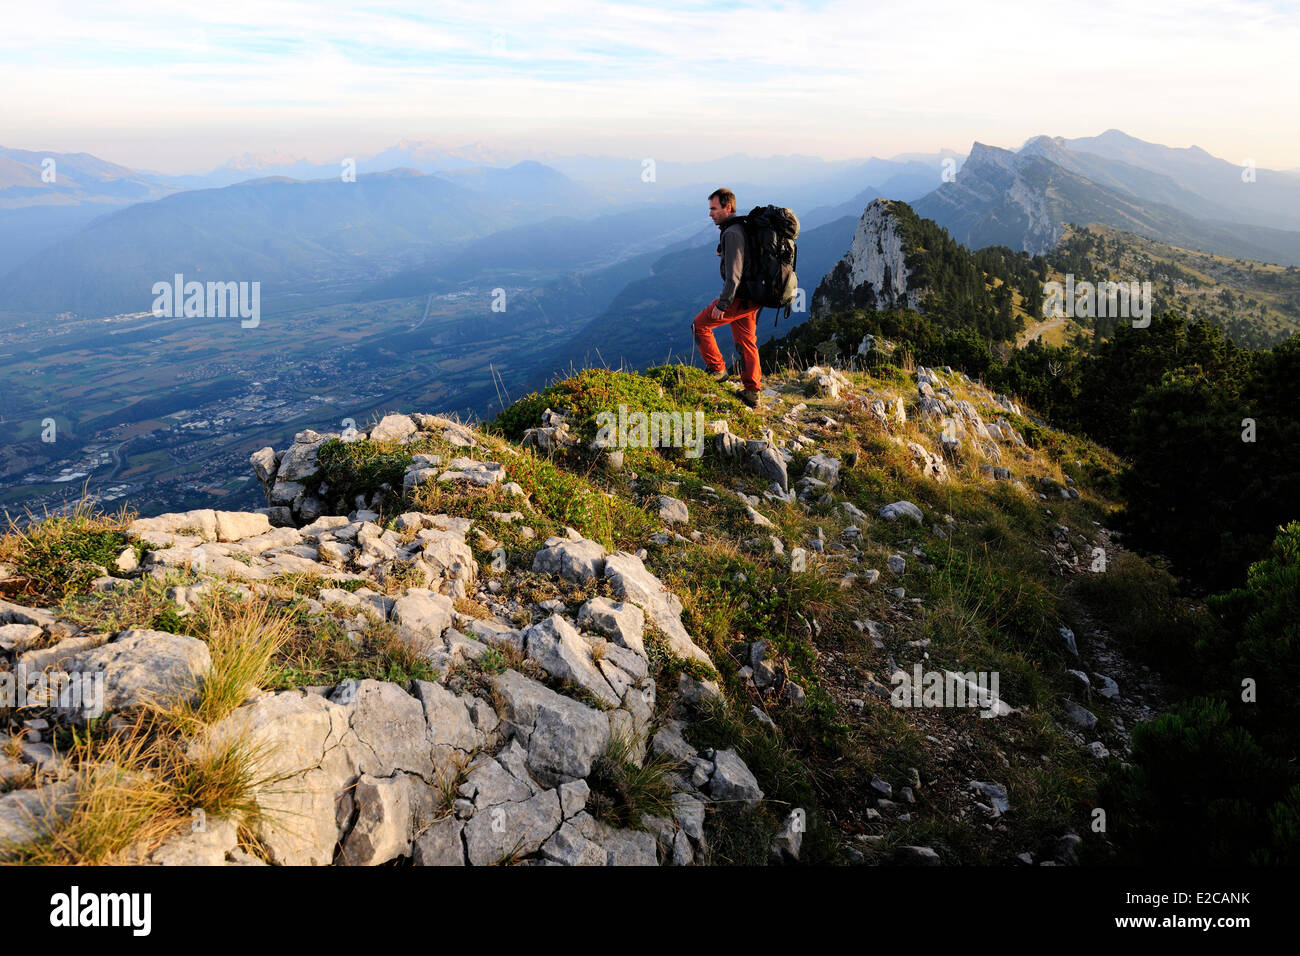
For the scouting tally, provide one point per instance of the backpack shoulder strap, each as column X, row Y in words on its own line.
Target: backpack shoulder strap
column 733, row 221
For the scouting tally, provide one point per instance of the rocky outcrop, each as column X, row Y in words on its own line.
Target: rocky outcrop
column 538, row 671
column 439, row 772
column 288, row 477
column 138, row 666
column 873, row 274
column 761, row 456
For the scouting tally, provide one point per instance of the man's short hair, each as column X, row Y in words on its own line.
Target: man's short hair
column 725, row 197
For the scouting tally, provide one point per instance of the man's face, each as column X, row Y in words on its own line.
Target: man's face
column 718, row 213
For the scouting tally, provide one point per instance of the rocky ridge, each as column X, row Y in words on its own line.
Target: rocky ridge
column 873, row 273
column 500, row 768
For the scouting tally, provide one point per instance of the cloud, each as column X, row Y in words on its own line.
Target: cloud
column 836, row 78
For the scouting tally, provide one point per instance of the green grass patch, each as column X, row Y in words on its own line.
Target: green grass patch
column 62, row 554
column 622, row 790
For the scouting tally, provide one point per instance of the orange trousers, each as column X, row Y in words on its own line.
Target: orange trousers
column 741, row 316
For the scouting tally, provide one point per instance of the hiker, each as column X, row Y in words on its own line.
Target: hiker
column 729, row 308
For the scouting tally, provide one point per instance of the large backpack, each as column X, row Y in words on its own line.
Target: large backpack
column 768, row 279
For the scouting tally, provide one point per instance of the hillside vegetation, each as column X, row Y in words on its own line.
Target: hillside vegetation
column 936, row 600
column 808, row 591
column 1256, row 303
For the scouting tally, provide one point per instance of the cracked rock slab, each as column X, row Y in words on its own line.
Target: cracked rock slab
column 508, row 830
column 440, row 844
column 562, row 736
column 623, row 622
column 300, row 737
column 569, row 847
column 390, row 810
column 732, row 780
column 560, row 651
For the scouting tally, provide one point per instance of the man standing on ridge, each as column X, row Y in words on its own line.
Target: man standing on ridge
column 728, row 308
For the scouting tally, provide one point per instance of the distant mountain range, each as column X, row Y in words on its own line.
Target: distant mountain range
column 48, row 196
column 405, row 154
column 1182, row 197
column 29, row 178
column 404, row 231
column 96, row 240
column 283, row 233
column 536, row 252
column 1265, row 197
column 35, row 214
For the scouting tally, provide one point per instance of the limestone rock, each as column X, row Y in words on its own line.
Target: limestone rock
column 788, row 842
column 393, row 428
column 389, row 811
column 633, row 582
column 237, row 525
column 563, row 654
column 451, row 725
column 673, row 510
column 1081, row 717
column 622, row 621
column 481, row 474
column 916, row 856
column 902, row 509
column 514, row 828
column 389, row 730
column 452, row 432
column 18, row 614
column 569, row 847
column 873, row 274
column 265, row 463
column 423, row 615
column 931, row 465
column 562, row 736
column 16, row 638
column 449, row 559
column 299, row 460
column 732, row 780
column 141, row 665
column 440, row 844
column 827, row 381
column 576, row 561
column 824, row 468
column 27, row 814
column 204, row 847
column 767, row 462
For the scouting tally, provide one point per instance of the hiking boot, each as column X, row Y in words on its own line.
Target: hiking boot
column 750, row 397
column 721, row 375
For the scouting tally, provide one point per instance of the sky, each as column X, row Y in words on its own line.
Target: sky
column 156, row 86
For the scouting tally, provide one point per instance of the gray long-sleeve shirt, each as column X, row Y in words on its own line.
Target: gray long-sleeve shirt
column 731, row 246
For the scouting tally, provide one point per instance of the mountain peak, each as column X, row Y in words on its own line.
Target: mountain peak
column 873, row 274
column 981, row 154
column 984, row 149
column 1042, row 145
